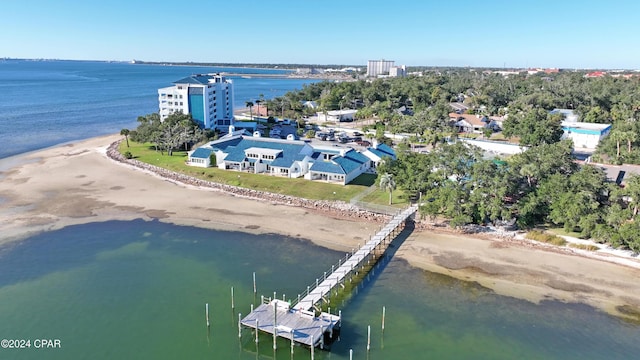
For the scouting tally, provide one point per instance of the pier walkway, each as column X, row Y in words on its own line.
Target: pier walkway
column 296, row 320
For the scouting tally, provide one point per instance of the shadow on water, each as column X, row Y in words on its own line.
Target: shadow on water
column 361, row 286
column 79, row 245
column 60, row 250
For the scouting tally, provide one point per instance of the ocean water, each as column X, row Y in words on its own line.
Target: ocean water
column 45, row 103
column 136, row 289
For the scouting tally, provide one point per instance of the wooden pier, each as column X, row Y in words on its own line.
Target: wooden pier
column 297, row 320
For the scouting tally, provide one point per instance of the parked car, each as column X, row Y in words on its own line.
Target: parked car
column 363, row 143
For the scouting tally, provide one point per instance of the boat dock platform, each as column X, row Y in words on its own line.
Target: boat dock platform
column 304, row 327
column 297, row 320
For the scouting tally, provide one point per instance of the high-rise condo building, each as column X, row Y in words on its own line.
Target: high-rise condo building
column 207, row 97
column 378, row 67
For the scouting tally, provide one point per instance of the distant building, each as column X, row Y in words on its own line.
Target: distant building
column 398, row 71
column 471, row 123
column 585, row 135
column 595, row 74
column 337, row 115
column 569, row 115
column 207, row 97
column 379, row 67
column 459, row 107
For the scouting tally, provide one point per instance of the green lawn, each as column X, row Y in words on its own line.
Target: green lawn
column 381, row 197
column 293, row 187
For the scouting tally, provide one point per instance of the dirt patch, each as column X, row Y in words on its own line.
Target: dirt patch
column 568, row 286
column 229, row 212
column 157, row 214
column 455, row 261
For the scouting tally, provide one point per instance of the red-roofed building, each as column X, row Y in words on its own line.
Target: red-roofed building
column 595, row 74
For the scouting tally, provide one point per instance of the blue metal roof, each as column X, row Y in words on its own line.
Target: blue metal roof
column 201, row 153
column 386, row 149
column 356, row 156
column 198, row 79
column 236, row 147
column 327, row 167
column 347, row 165
column 194, row 79
column 235, row 154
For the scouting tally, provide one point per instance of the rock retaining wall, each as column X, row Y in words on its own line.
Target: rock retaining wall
column 338, row 209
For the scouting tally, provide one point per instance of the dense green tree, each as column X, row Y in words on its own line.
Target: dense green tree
column 534, row 126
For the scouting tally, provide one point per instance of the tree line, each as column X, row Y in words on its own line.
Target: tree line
column 176, row 131
column 542, row 185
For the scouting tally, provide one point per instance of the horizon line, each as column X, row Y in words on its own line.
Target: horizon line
column 242, row 64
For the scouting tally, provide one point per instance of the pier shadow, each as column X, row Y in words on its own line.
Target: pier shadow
column 363, row 285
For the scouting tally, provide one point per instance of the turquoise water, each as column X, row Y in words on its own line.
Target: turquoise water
column 45, row 103
column 123, row 290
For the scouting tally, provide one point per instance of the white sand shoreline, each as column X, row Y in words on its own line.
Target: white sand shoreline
column 77, row 183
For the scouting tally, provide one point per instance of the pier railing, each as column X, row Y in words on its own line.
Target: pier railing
column 337, row 265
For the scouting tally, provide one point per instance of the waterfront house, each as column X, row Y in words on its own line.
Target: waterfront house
column 338, row 165
column 378, row 152
column 287, row 158
column 207, row 97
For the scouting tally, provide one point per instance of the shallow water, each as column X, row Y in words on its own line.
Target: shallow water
column 138, row 289
column 83, row 99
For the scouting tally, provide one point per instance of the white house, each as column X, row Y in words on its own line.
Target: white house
column 585, row 135
column 378, row 152
column 287, row 158
column 471, row 123
column 337, row 115
column 207, row 97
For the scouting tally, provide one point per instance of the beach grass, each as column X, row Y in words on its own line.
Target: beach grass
column 294, row 187
column 546, row 238
column 584, row 247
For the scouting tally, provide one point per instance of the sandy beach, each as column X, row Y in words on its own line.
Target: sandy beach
column 77, row 183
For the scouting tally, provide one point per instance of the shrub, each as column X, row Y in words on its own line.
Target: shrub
column 128, row 155
column 546, row 238
column 584, row 247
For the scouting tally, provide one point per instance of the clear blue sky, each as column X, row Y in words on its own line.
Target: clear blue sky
column 543, row 33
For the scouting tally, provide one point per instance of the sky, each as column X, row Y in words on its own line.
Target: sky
column 584, row 34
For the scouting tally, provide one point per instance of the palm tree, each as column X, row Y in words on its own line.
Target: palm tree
column 630, row 136
column 125, row 133
column 249, row 104
column 258, row 102
column 617, row 136
column 528, row 171
column 388, row 184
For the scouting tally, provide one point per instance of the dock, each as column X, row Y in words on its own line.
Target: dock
column 301, row 319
